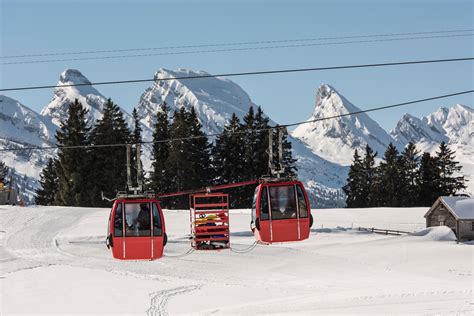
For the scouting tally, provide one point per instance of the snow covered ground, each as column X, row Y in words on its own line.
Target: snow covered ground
column 53, row 260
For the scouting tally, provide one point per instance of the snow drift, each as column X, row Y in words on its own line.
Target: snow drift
column 440, row 233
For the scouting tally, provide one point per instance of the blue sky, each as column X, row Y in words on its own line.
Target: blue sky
column 29, row 27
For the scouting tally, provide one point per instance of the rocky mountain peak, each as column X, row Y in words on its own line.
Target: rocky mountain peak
column 86, row 94
column 324, row 92
column 72, row 76
column 336, row 139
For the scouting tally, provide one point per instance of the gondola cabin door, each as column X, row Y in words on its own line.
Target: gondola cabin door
column 136, row 229
column 281, row 212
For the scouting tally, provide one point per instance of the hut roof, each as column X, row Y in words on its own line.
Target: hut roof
column 460, row 206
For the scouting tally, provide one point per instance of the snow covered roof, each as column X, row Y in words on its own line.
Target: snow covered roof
column 460, row 206
column 464, row 209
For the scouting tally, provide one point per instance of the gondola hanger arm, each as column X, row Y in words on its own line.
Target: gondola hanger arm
column 209, row 189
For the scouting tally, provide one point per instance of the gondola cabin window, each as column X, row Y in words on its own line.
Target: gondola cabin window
column 137, row 219
column 303, row 207
column 118, row 221
column 157, row 227
column 254, row 205
column 282, row 202
column 264, row 204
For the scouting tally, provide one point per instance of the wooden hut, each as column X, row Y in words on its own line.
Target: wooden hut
column 456, row 212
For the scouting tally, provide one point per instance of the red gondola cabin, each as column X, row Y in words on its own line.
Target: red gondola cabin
column 281, row 212
column 136, row 229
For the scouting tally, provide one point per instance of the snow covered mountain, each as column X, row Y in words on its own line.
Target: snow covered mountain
column 21, row 127
column 86, row 94
column 413, row 129
column 323, row 149
column 456, row 122
column 454, row 125
column 336, row 139
column 90, row 98
column 214, row 99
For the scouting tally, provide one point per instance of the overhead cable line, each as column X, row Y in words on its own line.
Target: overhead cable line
column 234, row 44
column 249, row 73
column 245, row 131
column 232, row 49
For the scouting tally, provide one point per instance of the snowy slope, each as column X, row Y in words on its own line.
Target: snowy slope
column 22, row 127
column 454, row 125
column 336, row 139
column 54, row 261
column 323, row 179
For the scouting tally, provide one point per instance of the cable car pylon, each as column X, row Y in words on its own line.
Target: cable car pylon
column 276, row 170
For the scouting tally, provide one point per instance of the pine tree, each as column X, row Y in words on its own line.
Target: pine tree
column 368, row 195
column 72, row 165
column 229, row 159
column 289, row 163
column 249, row 144
column 180, row 168
column 450, row 182
column 353, row 187
column 428, row 176
column 261, row 144
column 409, row 165
column 49, row 185
column 200, row 152
column 3, row 173
column 159, row 180
column 110, row 172
column 228, row 154
column 388, row 190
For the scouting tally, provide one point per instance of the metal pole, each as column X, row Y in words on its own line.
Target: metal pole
column 297, row 211
column 280, row 150
column 270, row 213
column 152, row 228
column 270, row 151
column 139, row 168
column 124, row 232
column 129, row 175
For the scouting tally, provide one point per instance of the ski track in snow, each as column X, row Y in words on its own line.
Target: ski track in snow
column 159, row 300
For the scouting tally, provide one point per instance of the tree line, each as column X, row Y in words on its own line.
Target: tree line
column 405, row 179
column 182, row 157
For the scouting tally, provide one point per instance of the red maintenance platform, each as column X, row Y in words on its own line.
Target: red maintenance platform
column 209, row 214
